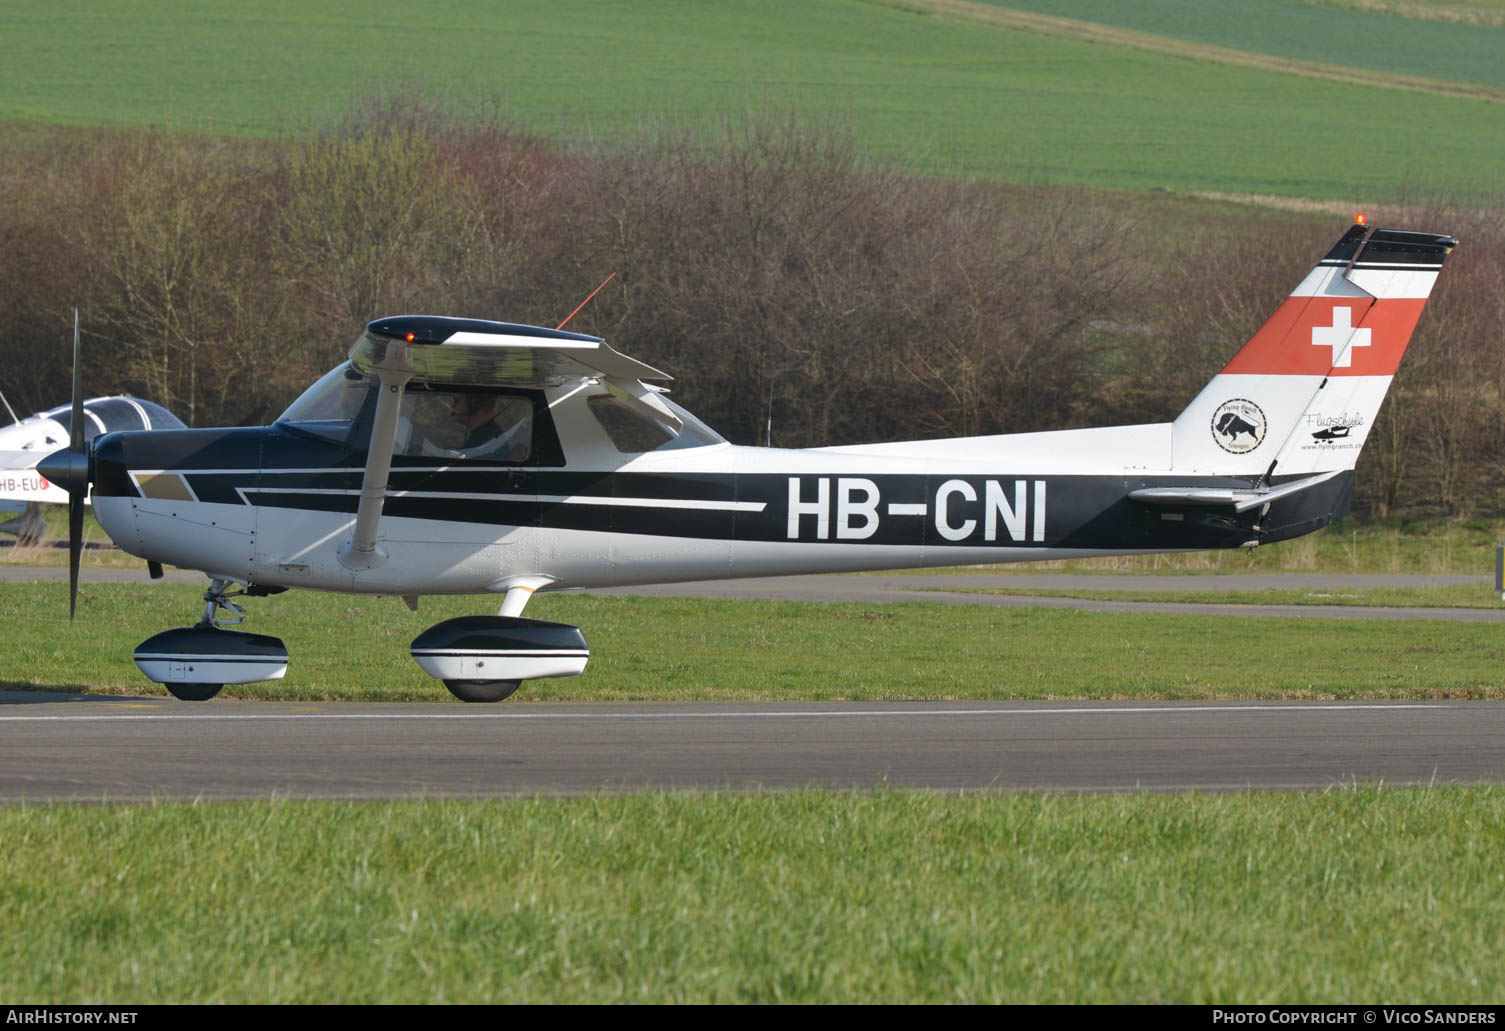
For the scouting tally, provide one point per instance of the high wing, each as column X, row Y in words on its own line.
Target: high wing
column 474, row 352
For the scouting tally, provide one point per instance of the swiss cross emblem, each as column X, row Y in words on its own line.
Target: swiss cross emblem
column 1341, row 337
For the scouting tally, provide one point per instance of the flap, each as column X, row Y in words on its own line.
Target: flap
column 639, row 396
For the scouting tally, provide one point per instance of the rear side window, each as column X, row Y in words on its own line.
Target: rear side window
column 633, row 432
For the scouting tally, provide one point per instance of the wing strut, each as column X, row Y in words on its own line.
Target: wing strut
column 393, row 370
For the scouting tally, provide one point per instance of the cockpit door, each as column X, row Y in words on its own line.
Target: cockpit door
column 463, row 465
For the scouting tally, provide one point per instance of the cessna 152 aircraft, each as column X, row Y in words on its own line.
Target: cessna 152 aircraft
column 458, row 456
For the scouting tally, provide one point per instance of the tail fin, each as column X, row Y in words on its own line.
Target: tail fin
column 1302, row 394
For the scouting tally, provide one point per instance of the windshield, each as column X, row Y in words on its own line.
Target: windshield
column 330, row 406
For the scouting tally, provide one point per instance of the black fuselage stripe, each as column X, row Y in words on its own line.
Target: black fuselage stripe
column 1092, row 512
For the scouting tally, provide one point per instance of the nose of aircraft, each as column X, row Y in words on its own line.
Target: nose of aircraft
column 67, row 468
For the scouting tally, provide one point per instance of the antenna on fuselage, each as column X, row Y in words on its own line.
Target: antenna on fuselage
column 768, row 431
column 583, row 303
column 8, row 408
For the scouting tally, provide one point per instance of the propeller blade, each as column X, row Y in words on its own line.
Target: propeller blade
column 76, row 490
column 76, row 426
column 75, row 546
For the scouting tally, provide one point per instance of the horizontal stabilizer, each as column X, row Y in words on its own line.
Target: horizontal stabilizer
column 1241, row 499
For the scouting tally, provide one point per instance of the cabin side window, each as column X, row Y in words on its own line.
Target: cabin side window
column 454, row 423
column 505, row 426
column 633, row 432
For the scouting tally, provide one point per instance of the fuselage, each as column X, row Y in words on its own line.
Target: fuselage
column 274, row 506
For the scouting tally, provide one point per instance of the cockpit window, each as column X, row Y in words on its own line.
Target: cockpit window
column 433, row 421
column 330, row 406
column 457, row 423
column 633, row 432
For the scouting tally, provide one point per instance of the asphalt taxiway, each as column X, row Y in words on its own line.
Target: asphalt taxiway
column 84, row 748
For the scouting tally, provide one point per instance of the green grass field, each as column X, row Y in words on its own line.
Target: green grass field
column 688, row 649
column 808, row 897
column 1464, row 12
column 943, row 94
column 1305, row 31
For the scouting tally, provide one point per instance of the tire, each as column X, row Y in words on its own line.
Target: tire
column 482, row 690
column 193, row 692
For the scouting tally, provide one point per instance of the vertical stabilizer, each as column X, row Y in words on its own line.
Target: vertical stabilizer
column 1301, row 396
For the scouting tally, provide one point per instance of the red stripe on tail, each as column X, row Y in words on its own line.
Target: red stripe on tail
column 1331, row 336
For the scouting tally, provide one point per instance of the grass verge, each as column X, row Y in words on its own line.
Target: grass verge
column 682, row 649
column 1349, row 546
column 1455, row 596
column 794, row 897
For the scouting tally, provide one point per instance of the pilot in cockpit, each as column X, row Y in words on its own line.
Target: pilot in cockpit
column 476, row 415
column 487, row 426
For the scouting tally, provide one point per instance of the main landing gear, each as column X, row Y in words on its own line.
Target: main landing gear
column 195, row 662
column 479, row 658
column 482, row 690
column 486, row 658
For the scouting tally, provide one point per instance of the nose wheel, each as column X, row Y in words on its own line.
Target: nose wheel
column 193, row 692
column 195, row 662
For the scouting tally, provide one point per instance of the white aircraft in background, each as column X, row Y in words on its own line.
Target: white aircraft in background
column 459, row 456
column 27, row 441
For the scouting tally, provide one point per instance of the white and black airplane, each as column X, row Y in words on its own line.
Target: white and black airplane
column 459, row 456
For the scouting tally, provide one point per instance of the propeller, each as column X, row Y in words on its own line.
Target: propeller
column 69, row 469
column 76, row 494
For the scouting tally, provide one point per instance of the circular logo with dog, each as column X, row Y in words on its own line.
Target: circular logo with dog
column 1238, row 426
